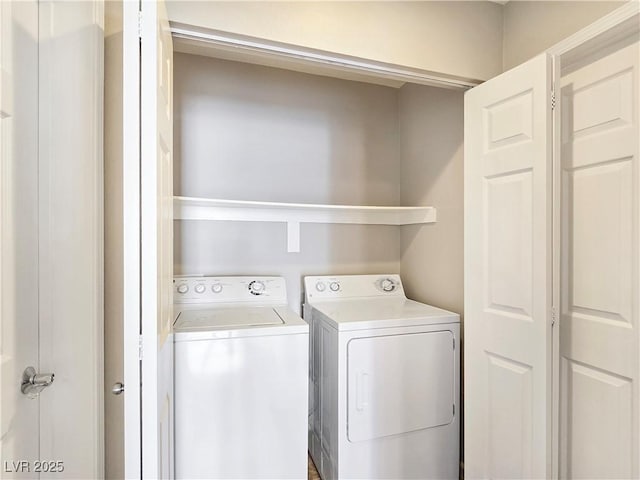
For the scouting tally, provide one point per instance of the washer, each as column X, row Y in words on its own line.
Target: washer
column 241, row 380
column 384, row 381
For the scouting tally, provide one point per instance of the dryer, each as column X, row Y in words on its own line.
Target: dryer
column 384, row 381
column 241, row 363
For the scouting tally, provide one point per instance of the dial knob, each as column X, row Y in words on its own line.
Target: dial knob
column 183, row 288
column 334, row 286
column 216, row 288
column 200, row 288
column 388, row 285
column 321, row 287
column 256, row 287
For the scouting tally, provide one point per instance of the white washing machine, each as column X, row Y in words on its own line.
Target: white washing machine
column 384, row 381
column 241, row 380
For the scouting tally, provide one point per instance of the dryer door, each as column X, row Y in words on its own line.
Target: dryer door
column 399, row 383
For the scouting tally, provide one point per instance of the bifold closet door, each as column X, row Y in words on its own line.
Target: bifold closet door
column 508, row 267
column 148, row 240
column 600, row 281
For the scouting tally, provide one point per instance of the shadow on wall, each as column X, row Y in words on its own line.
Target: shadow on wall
column 431, row 142
column 249, row 132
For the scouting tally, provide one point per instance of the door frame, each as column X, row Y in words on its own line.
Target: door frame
column 610, row 29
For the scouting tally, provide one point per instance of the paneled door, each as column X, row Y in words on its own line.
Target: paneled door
column 50, row 239
column 508, row 266
column 19, row 269
column 148, row 240
column 600, row 266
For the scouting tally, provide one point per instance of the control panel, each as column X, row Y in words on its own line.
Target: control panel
column 200, row 289
column 353, row 286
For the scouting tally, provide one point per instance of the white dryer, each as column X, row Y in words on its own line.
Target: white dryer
column 384, row 381
column 241, row 380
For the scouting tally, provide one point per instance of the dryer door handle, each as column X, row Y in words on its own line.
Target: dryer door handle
column 362, row 391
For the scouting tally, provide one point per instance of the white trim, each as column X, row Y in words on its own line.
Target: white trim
column 98, row 143
column 606, row 23
column 308, row 56
column 556, row 181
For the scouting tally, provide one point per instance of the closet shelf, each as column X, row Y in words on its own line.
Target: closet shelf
column 293, row 214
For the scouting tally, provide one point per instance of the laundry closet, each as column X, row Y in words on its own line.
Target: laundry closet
column 288, row 140
column 259, row 153
column 278, row 160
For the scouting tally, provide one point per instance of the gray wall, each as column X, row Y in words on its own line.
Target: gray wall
column 431, row 142
column 249, row 132
column 530, row 27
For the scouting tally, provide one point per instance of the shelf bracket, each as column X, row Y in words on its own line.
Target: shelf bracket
column 293, row 237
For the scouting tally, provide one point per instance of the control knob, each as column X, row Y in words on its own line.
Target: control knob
column 321, row 287
column 256, row 287
column 216, row 288
column 388, row 285
column 200, row 288
column 183, row 288
column 334, row 286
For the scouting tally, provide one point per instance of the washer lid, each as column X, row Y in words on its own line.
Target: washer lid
column 225, row 318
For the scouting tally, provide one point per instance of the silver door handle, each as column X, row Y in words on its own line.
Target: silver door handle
column 117, row 388
column 33, row 383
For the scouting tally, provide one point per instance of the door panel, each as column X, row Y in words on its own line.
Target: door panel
column 508, row 257
column 598, row 406
column 600, row 289
column 19, row 425
column 507, row 274
column 509, row 417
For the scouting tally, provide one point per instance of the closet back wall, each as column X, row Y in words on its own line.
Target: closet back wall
column 431, row 143
column 248, row 132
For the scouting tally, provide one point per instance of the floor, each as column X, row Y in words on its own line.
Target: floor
column 313, row 473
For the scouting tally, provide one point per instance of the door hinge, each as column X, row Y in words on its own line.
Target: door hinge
column 139, row 24
column 554, row 316
column 454, row 408
column 454, row 343
column 553, row 99
column 140, row 347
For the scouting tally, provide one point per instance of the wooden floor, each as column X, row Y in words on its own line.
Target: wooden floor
column 313, row 473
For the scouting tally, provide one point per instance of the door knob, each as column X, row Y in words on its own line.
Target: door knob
column 33, row 383
column 117, row 388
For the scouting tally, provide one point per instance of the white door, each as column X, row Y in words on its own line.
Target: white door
column 508, row 274
column 148, row 240
column 19, row 425
column 51, row 237
column 600, row 268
